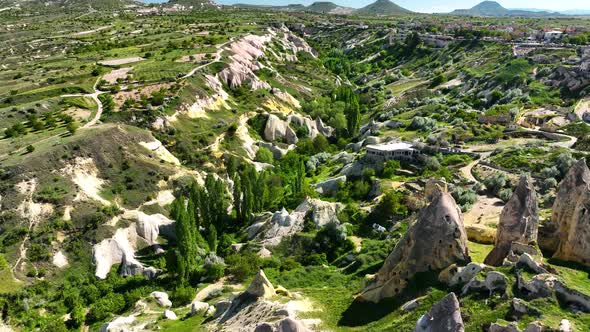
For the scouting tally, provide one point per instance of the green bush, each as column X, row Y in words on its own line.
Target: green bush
column 243, row 265
column 182, row 295
column 264, row 155
column 105, row 306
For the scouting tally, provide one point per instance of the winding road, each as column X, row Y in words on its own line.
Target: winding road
column 94, row 96
column 467, row 171
column 217, row 58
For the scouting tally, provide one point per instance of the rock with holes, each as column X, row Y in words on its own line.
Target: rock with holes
column 433, row 243
column 518, row 222
column 444, row 316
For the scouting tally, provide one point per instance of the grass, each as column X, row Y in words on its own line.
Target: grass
column 478, row 251
column 7, row 282
column 191, row 324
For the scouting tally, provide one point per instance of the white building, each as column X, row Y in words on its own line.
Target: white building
column 392, row 151
column 552, row 35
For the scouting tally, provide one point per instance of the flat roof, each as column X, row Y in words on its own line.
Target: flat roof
column 394, row 146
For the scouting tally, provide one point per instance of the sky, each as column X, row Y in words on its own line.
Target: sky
column 436, row 6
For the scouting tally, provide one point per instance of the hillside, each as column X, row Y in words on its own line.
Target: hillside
column 192, row 3
column 71, row 4
column 382, row 8
column 494, row 9
column 327, row 7
column 246, row 169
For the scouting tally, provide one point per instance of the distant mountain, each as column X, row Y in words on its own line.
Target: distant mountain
column 327, row 7
column 382, row 8
column 321, row 7
column 494, row 9
column 192, row 3
column 576, row 12
column 68, row 4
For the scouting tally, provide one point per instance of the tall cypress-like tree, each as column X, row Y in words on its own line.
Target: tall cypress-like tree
column 185, row 237
column 237, row 193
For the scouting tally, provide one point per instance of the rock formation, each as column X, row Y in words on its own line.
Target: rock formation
column 277, row 129
column 270, row 229
column 434, row 242
column 518, row 222
column 330, row 186
column 444, row 316
column 260, row 286
column 571, row 218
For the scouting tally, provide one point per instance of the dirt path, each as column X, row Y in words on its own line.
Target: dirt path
column 217, row 58
column 33, row 212
column 94, row 96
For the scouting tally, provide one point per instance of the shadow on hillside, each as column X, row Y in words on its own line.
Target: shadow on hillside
column 363, row 312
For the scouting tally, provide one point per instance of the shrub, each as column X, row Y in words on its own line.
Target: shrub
column 182, row 295
column 505, row 194
column 389, row 168
column 243, row 265
column 104, row 307
column 332, row 241
column 30, row 148
column 264, row 155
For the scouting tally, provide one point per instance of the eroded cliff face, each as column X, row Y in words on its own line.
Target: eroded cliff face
column 249, row 50
column 434, row 242
column 519, row 222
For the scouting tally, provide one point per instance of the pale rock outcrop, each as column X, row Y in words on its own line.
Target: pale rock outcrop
column 60, row 260
column 459, row 275
column 277, row 129
column 330, row 186
column 434, row 187
column 434, row 242
column 541, row 285
column 260, row 287
column 571, row 189
column 124, row 324
column 572, row 217
column 286, row 97
column 493, row 282
column 518, row 222
column 160, row 152
column 527, row 261
column 121, row 247
column 170, row 315
column 411, row 305
column 314, row 128
column 198, row 307
column 162, row 299
column 277, row 151
column 244, row 62
column 270, row 229
column 444, row 316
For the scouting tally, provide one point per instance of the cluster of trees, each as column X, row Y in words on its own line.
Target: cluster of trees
column 205, row 209
column 351, row 109
column 49, row 121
